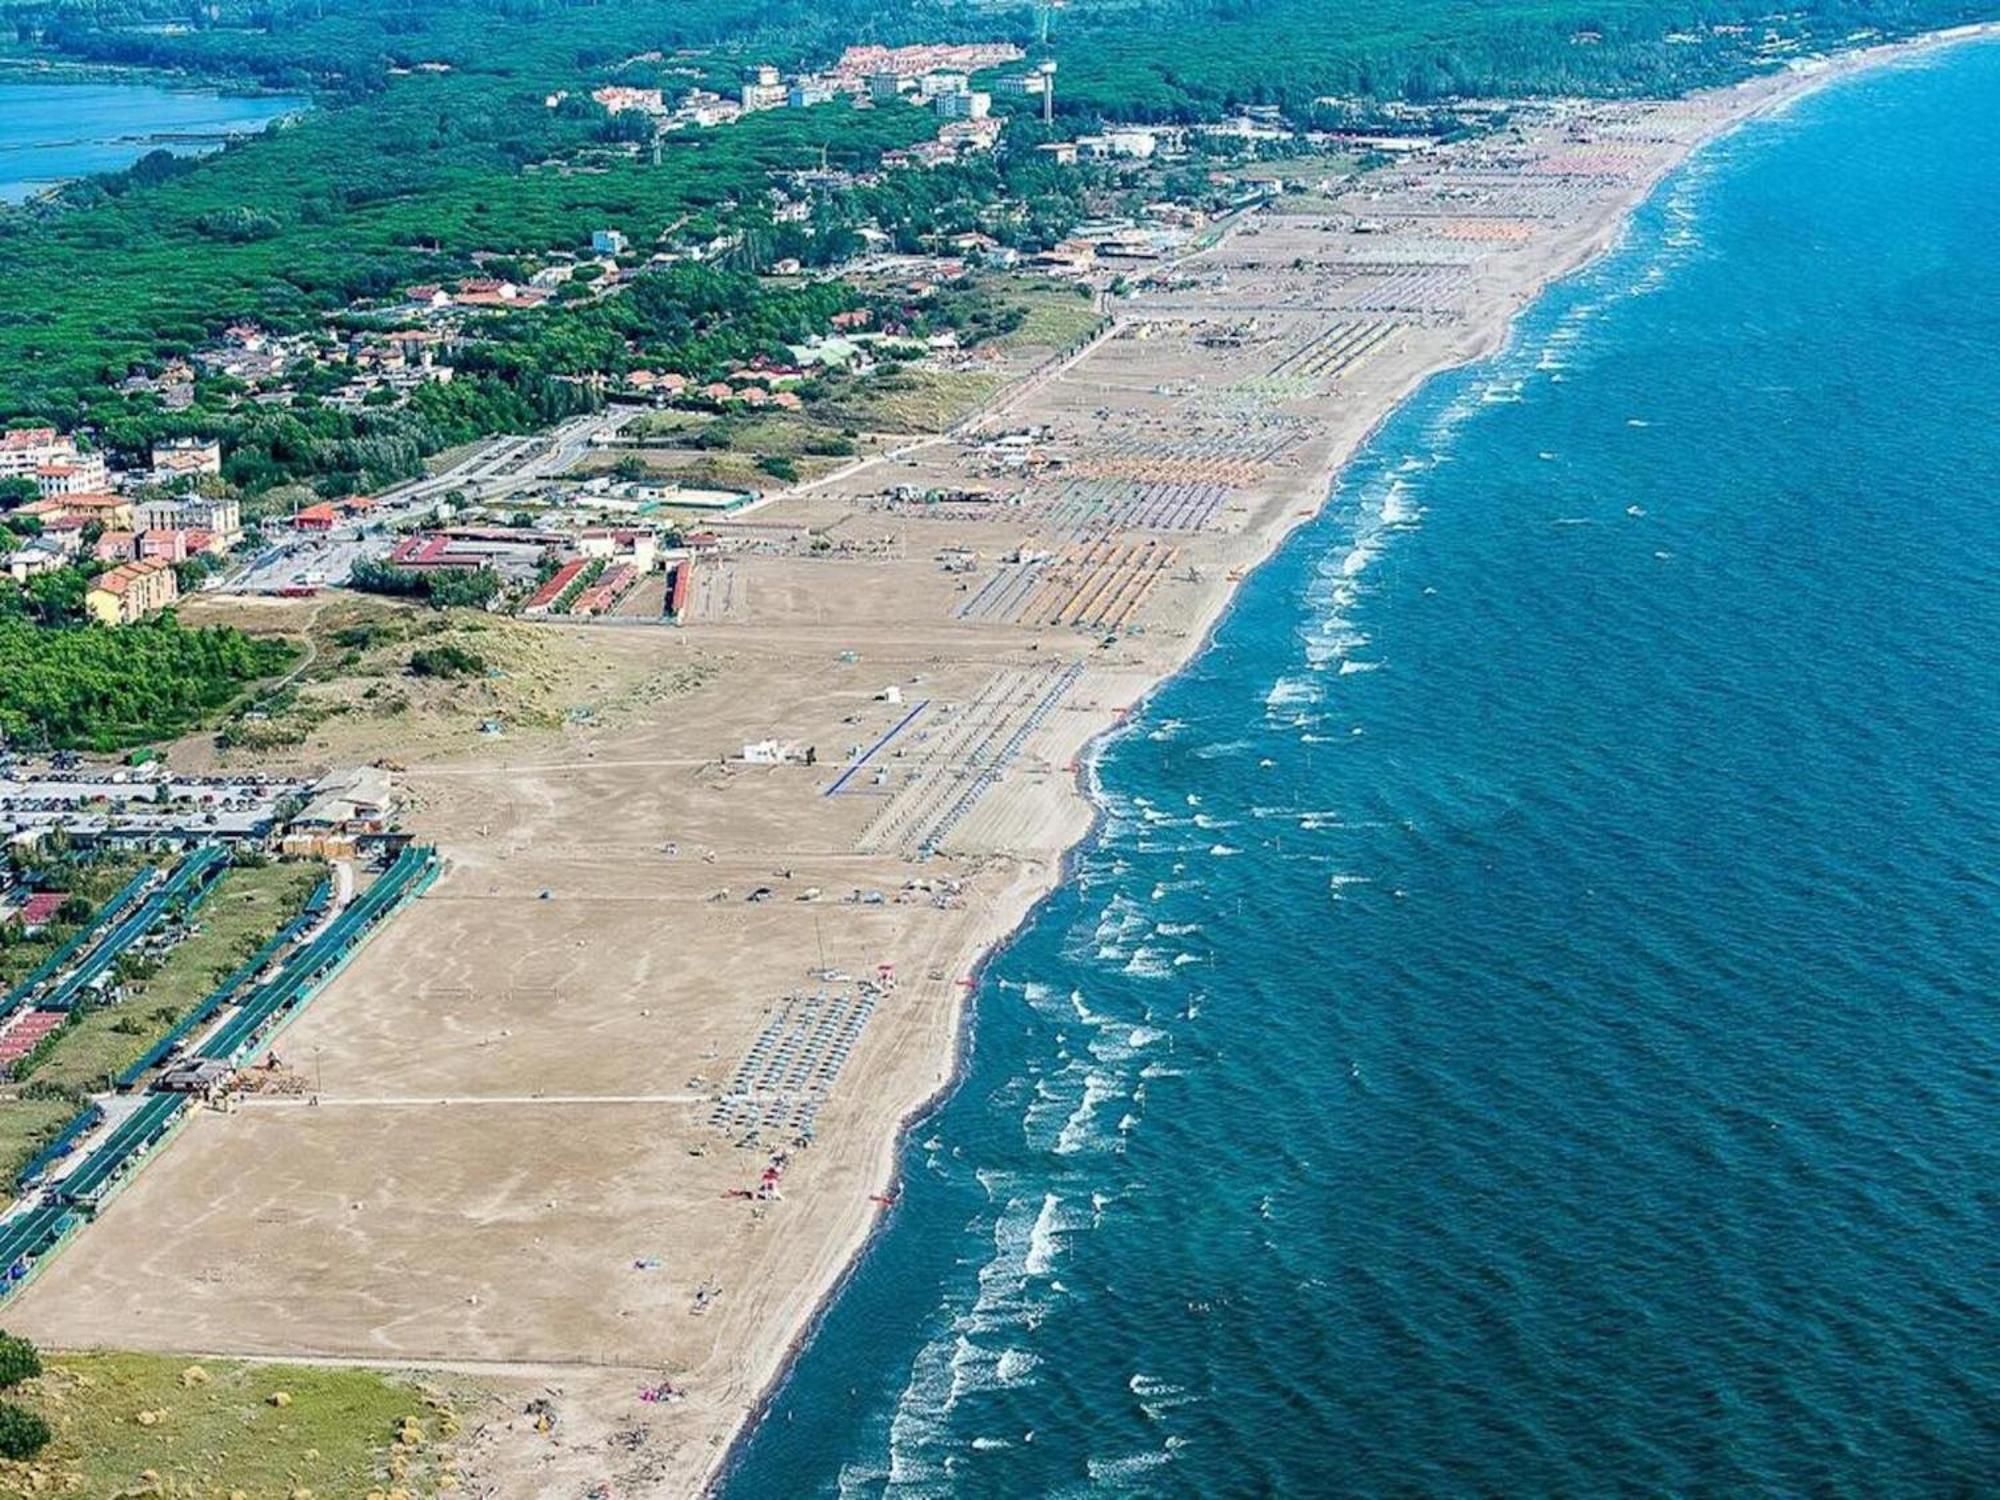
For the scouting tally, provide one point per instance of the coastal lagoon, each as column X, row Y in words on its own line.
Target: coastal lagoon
column 51, row 133
column 1527, row 1023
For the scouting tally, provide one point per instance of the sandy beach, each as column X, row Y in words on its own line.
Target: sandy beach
column 556, row 1147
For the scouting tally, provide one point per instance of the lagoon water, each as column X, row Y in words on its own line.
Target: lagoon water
column 50, row 133
column 1531, row 1022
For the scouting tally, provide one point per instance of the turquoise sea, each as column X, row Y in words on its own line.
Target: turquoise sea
column 1530, row 1022
column 52, row 132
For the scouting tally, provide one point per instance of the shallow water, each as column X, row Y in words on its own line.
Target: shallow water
column 50, row 133
column 1529, row 1025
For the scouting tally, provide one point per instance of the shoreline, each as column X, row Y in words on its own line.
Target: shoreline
column 1818, row 74
column 29, row 193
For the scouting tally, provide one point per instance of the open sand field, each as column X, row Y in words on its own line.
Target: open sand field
column 548, row 1087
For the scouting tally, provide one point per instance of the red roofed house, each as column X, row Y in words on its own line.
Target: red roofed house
column 40, row 909
column 315, row 518
column 132, row 591
column 26, row 449
column 81, row 475
column 114, row 512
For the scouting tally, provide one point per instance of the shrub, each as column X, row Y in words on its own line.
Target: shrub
column 22, row 1433
column 446, row 661
column 19, row 1361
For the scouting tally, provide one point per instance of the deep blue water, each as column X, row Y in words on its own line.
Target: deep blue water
column 52, row 132
column 1531, row 1025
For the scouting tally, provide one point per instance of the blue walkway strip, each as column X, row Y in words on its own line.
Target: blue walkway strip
column 869, row 754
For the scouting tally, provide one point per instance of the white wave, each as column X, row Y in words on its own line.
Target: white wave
column 1084, row 1013
column 1131, row 1468
column 995, row 1183
column 1075, row 1135
column 1158, row 1397
column 1055, row 1100
column 1014, row 1366
column 920, row 1414
column 1042, row 1243
column 1347, row 668
column 1333, row 642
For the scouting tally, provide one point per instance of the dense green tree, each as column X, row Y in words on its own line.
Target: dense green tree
column 89, row 687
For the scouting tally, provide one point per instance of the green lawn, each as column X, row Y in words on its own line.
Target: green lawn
column 211, row 1428
column 1057, row 316
column 26, row 1125
column 916, row 400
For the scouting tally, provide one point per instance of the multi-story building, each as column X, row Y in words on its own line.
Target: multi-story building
column 169, row 545
column 763, row 88
column 221, row 516
column 965, row 106
column 26, row 449
column 112, row 512
column 84, row 474
column 131, row 591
